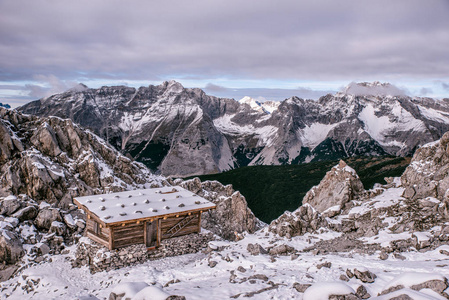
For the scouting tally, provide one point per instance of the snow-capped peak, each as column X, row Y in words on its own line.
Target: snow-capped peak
column 173, row 86
column 266, row 107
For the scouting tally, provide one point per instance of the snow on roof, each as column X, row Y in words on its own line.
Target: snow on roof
column 146, row 203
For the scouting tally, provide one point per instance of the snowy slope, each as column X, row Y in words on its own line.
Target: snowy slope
column 166, row 127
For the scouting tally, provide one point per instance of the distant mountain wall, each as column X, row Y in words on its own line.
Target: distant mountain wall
column 182, row 132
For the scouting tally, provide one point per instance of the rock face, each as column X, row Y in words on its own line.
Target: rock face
column 11, row 249
column 304, row 219
column 413, row 205
column 232, row 215
column 54, row 160
column 183, row 132
column 427, row 175
column 340, row 185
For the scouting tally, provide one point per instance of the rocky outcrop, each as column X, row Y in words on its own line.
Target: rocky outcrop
column 35, row 230
column 340, row 185
column 54, row 160
column 184, row 132
column 428, row 173
column 11, row 249
column 231, row 216
column 304, row 219
column 362, row 215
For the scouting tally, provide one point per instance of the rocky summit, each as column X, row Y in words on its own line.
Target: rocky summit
column 180, row 132
column 54, row 160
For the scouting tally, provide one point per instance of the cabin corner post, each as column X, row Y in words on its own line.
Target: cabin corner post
column 145, row 237
column 111, row 240
column 159, row 232
column 199, row 221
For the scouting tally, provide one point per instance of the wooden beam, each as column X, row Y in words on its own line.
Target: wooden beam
column 111, row 244
column 145, row 234
column 160, row 216
column 158, row 232
column 199, row 222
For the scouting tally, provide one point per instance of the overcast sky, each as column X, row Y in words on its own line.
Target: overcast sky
column 267, row 49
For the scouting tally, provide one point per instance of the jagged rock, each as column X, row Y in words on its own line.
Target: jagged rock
column 438, row 286
column 304, row 219
column 326, row 264
column 52, row 159
column 256, row 249
column 46, row 217
column 58, row 228
column 9, row 205
column 282, row 250
column 362, row 292
column 383, row 255
column 365, row 276
column 11, row 249
column 301, row 287
column 212, row 263
column 231, row 216
column 42, row 249
column 26, row 213
column 340, row 185
column 241, row 269
column 428, row 173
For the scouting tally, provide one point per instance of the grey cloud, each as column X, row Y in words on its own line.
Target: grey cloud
column 425, row 91
column 385, row 89
column 319, row 40
column 445, row 86
column 264, row 94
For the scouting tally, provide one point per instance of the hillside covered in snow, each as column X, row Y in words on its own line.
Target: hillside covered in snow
column 181, row 132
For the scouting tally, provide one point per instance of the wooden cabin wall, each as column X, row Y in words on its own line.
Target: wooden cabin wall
column 102, row 238
column 168, row 223
column 127, row 235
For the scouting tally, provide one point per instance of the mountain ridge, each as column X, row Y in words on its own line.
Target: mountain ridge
column 182, row 132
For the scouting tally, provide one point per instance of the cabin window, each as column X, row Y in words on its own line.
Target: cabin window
column 97, row 229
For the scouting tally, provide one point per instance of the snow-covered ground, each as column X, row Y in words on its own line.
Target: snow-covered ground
column 236, row 272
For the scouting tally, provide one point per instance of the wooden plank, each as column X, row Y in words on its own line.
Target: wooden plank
column 97, row 239
column 172, row 222
column 128, row 231
column 128, row 236
column 162, row 216
column 188, row 229
column 110, row 243
column 103, row 237
column 193, row 229
column 199, row 222
column 159, row 235
column 145, row 234
column 168, row 225
column 118, row 244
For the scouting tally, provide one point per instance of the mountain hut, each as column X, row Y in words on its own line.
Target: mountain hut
column 145, row 216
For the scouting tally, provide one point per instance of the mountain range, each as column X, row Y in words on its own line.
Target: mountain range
column 180, row 131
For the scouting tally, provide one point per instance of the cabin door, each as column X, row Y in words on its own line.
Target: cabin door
column 151, row 237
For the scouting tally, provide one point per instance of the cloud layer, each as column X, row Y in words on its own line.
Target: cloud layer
column 283, row 40
column 256, row 39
